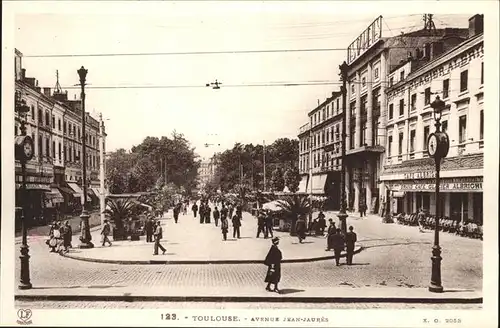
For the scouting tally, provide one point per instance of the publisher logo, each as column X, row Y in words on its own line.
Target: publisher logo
column 24, row 316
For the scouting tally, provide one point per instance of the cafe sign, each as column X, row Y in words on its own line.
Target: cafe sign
column 420, row 175
column 466, row 184
column 365, row 40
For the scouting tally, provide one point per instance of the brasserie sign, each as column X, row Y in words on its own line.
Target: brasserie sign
column 365, row 40
column 465, row 184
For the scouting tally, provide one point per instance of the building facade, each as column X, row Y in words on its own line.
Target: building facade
column 320, row 151
column 372, row 64
column 206, row 172
column 457, row 77
column 54, row 175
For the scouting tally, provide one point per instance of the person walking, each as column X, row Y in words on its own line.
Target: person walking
column 239, row 211
column 158, row 236
column 148, row 226
column 223, row 212
column 216, row 216
column 185, row 207
column 231, row 210
column 261, row 223
column 350, row 241
column 194, row 208
column 421, row 219
column 362, row 209
column 208, row 210
column 236, row 226
column 301, row 228
column 67, row 235
column 338, row 245
column 273, row 262
column 202, row 212
column 105, row 231
column 224, row 226
column 321, row 223
column 177, row 209
column 329, row 235
column 269, row 225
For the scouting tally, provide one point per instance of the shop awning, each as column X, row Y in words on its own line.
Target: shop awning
column 54, row 195
column 34, row 186
column 97, row 191
column 76, row 189
column 318, row 183
column 303, row 184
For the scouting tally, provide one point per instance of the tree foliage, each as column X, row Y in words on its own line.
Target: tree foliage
column 292, row 179
column 277, row 180
column 294, row 206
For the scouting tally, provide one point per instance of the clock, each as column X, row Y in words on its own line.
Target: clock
column 24, row 148
column 438, row 145
column 432, row 144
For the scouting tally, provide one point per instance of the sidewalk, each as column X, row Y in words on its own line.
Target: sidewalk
column 248, row 294
column 189, row 242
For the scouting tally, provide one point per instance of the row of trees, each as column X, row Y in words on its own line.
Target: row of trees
column 244, row 165
column 153, row 164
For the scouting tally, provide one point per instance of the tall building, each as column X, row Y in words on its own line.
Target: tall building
column 372, row 60
column 457, row 77
column 320, row 151
column 206, row 172
column 54, row 175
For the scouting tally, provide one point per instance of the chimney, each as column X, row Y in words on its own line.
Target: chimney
column 23, row 73
column 46, row 91
column 476, row 25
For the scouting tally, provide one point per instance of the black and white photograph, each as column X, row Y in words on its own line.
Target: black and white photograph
column 250, row 163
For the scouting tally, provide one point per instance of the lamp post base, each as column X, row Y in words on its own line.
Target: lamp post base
column 25, row 281
column 85, row 238
column 435, row 289
column 343, row 221
column 436, row 286
column 25, row 286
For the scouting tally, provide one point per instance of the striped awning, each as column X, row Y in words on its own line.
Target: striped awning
column 303, row 184
column 54, row 195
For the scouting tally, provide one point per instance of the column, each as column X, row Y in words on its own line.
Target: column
column 406, row 137
column 346, row 186
column 432, row 205
column 419, row 137
column 356, row 195
column 414, row 209
column 347, row 118
column 446, row 208
column 383, row 97
column 369, row 109
column 357, row 143
column 470, row 205
column 368, row 185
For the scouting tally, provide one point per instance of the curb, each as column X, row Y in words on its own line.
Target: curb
column 128, row 297
column 192, row 262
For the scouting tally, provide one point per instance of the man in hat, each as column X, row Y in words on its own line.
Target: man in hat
column 149, row 230
column 338, row 245
column 261, row 223
column 329, row 235
column 236, row 226
column 350, row 241
column 273, row 262
column 106, row 230
column 194, row 208
column 158, row 236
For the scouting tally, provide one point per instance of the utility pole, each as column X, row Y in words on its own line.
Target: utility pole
column 343, row 202
column 102, row 199
column 310, row 173
column 264, row 155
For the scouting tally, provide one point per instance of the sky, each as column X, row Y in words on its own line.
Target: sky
column 231, row 114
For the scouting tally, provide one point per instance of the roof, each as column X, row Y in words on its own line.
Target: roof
column 475, row 161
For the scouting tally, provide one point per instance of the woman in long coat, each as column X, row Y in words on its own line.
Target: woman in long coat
column 67, row 236
column 301, row 229
column 273, row 262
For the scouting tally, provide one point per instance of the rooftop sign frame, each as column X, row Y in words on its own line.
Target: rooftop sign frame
column 365, row 40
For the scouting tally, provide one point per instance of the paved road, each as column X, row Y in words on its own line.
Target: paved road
column 256, row 306
column 396, row 256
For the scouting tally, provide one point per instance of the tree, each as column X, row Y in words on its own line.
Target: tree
column 119, row 210
column 292, row 179
column 294, row 206
column 277, row 180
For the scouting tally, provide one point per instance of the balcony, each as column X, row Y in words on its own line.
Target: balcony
column 366, row 150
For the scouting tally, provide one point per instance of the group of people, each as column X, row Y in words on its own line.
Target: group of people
column 223, row 215
column 339, row 241
column 60, row 236
column 264, row 224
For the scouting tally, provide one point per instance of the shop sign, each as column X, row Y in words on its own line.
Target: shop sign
column 467, row 184
column 365, row 40
column 420, row 175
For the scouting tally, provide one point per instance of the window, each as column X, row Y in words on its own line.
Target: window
column 40, row 116
column 363, row 82
column 401, row 107
column 322, row 139
column 15, row 130
column 338, row 105
column 60, row 152
column 462, row 128
column 477, row 201
column 47, row 147
column 427, row 99
column 53, row 149
column 400, row 143
column 482, row 73
column 446, row 88
column 426, row 136
column 353, row 109
column 59, row 124
column 376, row 73
column 324, row 113
column 40, row 146
column 64, row 127
column 413, row 102
column 402, row 75
column 65, row 153
column 78, row 135
column 327, row 136
column 363, row 134
column 444, row 126
column 391, row 111
column 32, row 112
column 481, row 125
column 47, row 122
column 351, row 137
column 34, row 142
column 389, row 147
column 353, row 89
column 53, row 122
column 74, row 155
column 363, row 105
column 391, row 81
column 412, row 141
column 74, row 130
column 459, row 206
column 464, row 76
column 79, row 158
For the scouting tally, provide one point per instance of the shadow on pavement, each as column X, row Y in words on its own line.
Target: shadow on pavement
column 458, row 290
column 354, row 264
column 304, row 242
column 400, row 244
column 290, row 291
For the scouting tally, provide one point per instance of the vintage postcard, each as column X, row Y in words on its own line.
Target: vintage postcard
column 252, row 163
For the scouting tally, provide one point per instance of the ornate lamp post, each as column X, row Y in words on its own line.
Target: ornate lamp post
column 85, row 237
column 23, row 153
column 343, row 202
column 438, row 145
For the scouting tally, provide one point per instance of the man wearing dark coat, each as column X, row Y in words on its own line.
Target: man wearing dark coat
column 239, row 211
column 261, row 223
column 149, row 230
column 273, row 262
column 350, row 241
column 301, row 228
column 269, row 225
column 202, row 213
column 216, row 216
column 208, row 211
column 223, row 212
column 329, row 235
column 231, row 210
column 338, row 245
column 177, row 210
column 236, row 226
column 195, row 209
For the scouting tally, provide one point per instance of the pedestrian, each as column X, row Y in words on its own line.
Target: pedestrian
column 158, row 236
column 239, row 211
column 185, row 207
column 329, row 235
column 338, row 245
column 194, row 208
column 421, row 219
column 273, row 262
column 54, row 236
column 231, row 210
column 362, row 209
column 224, row 228
column 269, row 225
column 321, row 223
column 149, row 230
column 236, row 226
column 261, row 223
column 67, row 235
column 208, row 210
column 301, row 228
column 223, row 212
column 216, row 216
column 105, row 231
column 202, row 212
column 177, row 209
column 350, row 241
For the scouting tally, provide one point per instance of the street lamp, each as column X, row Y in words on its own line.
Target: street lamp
column 343, row 203
column 85, row 237
column 438, row 145
column 23, row 153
